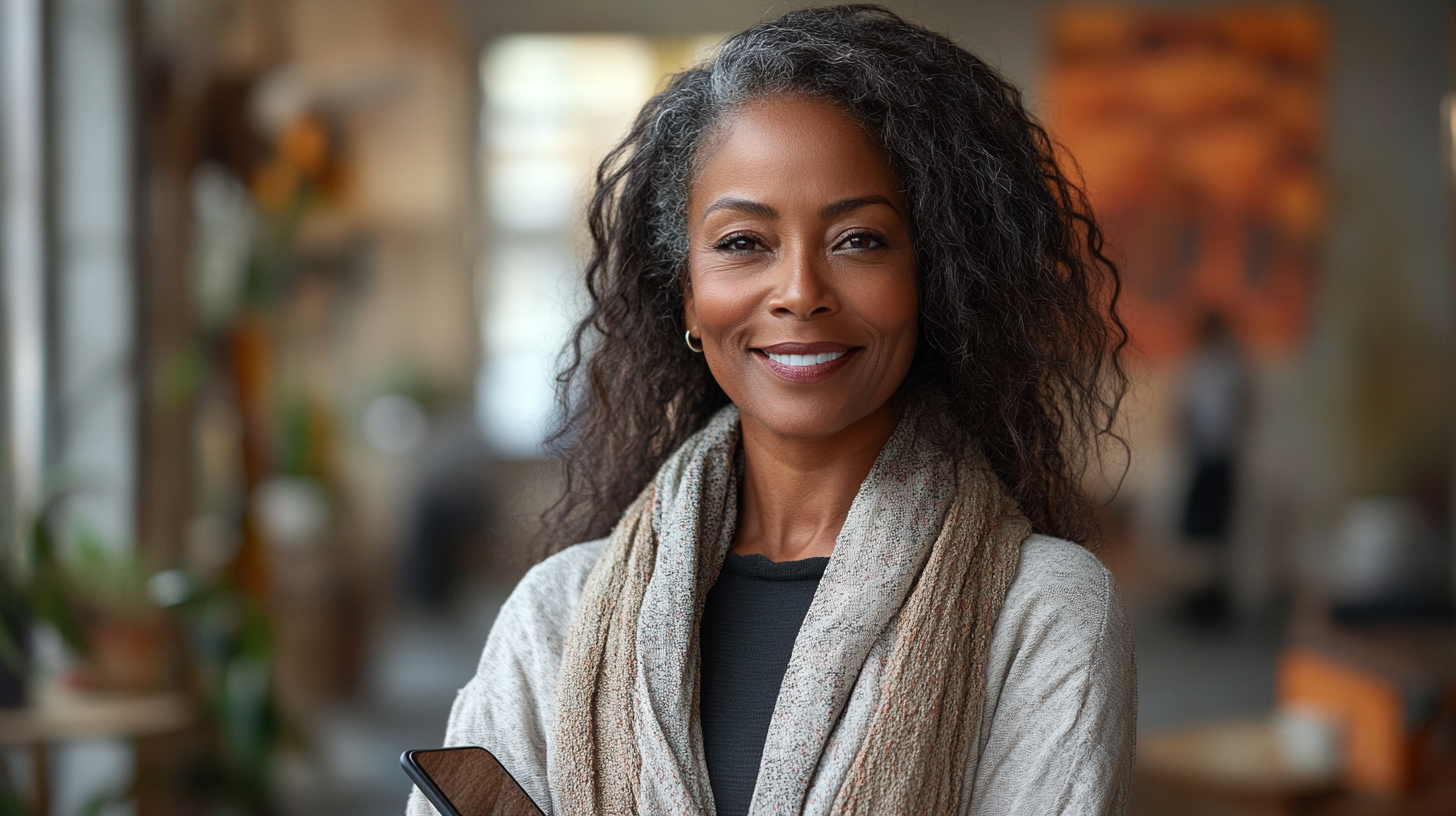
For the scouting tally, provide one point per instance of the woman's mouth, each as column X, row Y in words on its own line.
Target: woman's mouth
column 806, row 362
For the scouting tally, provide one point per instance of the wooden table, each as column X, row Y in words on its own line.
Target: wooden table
column 1222, row 768
column 58, row 714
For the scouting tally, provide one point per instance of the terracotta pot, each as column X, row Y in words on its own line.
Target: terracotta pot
column 126, row 656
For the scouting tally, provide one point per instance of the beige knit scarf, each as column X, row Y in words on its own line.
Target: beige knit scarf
column 879, row 711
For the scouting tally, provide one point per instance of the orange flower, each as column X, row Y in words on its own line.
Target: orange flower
column 275, row 184
column 305, row 145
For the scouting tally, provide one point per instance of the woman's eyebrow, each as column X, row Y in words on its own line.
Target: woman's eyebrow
column 761, row 210
column 742, row 205
column 852, row 204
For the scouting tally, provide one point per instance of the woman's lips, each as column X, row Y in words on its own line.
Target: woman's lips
column 806, row 362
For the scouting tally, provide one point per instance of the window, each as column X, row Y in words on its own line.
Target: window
column 554, row 105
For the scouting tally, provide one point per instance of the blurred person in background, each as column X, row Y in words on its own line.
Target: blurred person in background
column 1215, row 404
column 451, row 511
column 852, row 343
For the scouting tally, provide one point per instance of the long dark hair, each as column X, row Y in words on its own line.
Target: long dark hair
column 1019, row 338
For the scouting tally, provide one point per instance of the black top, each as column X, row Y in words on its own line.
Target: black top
column 752, row 616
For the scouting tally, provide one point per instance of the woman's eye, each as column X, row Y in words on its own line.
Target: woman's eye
column 862, row 240
column 739, row 243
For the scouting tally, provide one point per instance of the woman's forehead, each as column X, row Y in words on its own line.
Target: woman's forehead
column 791, row 144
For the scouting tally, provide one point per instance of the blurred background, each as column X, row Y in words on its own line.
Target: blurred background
column 284, row 282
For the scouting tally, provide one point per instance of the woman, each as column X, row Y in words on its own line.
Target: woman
column 852, row 337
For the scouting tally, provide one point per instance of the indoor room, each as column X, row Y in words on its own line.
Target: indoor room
column 295, row 291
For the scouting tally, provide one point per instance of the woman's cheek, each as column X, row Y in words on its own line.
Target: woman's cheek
column 723, row 303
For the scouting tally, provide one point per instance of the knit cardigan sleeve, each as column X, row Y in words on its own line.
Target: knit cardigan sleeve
column 509, row 706
column 1058, row 733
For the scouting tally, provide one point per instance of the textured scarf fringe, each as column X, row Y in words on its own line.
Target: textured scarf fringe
column 926, row 731
column 596, row 744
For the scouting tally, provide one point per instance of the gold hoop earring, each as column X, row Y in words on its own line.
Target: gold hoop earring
column 688, row 338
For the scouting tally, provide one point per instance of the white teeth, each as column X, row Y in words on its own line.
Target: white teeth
column 805, row 359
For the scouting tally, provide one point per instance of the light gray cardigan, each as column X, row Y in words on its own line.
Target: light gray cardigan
column 1057, row 731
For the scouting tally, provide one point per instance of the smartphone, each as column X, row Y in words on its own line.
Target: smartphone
column 467, row 781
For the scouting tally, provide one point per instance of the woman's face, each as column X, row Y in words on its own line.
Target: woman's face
column 802, row 280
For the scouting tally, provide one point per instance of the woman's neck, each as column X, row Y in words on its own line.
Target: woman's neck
column 797, row 492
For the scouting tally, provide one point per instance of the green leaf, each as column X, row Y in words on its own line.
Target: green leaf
column 10, row 804
column 51, row 597
column 102, row 801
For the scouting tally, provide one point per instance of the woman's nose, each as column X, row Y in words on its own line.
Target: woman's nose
column 803, row 288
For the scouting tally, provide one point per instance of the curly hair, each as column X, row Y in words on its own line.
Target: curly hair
column 1019, row 339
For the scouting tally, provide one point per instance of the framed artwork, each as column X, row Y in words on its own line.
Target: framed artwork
column 1199, row 134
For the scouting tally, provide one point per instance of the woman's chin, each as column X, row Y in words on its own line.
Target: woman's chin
column 811, row 419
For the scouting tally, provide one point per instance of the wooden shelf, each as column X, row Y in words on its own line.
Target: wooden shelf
column 57, row 714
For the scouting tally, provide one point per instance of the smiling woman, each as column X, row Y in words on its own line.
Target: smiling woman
column 833, row 568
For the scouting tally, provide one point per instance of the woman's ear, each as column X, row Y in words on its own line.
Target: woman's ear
column 690, row 312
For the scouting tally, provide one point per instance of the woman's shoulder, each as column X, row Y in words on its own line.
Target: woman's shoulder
column 1063, row 598
column 1056, row 565
column 529, row 634
column 550, row 591
column 571, row 565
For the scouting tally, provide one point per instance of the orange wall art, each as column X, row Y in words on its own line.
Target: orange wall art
column 1200, row 137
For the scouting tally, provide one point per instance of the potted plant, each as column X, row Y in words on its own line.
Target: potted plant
column 39, row 593
column 124, row 632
